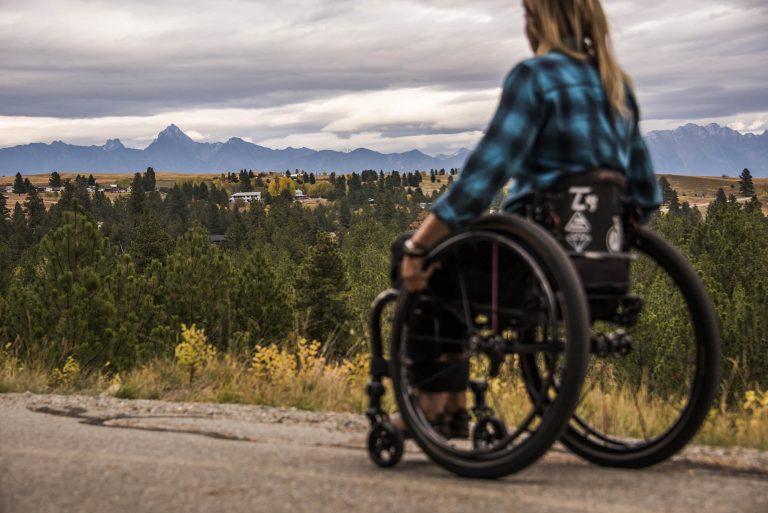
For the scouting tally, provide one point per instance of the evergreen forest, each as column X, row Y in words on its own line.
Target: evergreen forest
column 108, row 282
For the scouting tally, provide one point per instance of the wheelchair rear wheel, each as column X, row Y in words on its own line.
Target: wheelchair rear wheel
column 504, row 291
column 651, row 383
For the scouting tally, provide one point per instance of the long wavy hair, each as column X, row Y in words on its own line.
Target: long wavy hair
column 578, row 28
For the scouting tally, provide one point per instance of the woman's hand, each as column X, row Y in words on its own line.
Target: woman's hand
column 412, row 271
column 415, row 277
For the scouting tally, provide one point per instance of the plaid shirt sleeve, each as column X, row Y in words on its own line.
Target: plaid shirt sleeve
column 642, row 187
column 500, row 154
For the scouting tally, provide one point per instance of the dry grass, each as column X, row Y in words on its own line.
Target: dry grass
column 299, row 375
column 700, row 191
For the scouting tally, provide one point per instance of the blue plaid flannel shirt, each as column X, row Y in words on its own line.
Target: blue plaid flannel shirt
column 554, row 118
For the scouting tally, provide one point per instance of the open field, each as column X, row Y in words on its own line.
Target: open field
column 701, row 190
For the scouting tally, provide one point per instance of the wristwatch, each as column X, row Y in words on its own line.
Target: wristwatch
column 413, row 250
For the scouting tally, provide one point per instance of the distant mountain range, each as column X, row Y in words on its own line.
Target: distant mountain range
column 708, row 150
column 173, row 150
column 688, row 150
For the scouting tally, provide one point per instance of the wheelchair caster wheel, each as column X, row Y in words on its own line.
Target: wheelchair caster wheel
column 385, row 444
column 487, row 432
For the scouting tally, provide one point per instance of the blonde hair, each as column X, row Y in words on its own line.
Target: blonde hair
column 579, row 28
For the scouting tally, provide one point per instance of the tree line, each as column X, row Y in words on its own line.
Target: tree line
column 109, row 281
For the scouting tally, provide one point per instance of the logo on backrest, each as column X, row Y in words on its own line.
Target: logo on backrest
column 614, row 239
column 583, row 199
column 578, row 241
column 578, row 224
column 579, row 228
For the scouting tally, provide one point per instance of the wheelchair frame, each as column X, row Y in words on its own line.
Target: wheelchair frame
column 622, row 308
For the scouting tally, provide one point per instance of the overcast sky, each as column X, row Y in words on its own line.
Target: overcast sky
column 390, row 75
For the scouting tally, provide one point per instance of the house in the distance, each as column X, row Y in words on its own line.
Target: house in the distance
column 245, row 197
column 299, row 194
column 217, row 240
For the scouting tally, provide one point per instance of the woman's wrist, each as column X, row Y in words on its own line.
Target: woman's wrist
column 413, row 249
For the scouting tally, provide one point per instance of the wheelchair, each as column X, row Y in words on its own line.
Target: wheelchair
column 567, row 323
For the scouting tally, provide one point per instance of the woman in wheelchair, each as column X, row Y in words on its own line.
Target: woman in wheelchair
column 568, row 110
column 485, row 301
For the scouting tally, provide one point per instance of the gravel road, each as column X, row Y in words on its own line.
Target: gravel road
column 100, row 454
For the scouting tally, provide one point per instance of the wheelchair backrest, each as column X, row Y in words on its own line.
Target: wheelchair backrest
column 585, row 213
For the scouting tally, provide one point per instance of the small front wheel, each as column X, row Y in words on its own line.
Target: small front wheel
column 385, row 444
column 488, row 432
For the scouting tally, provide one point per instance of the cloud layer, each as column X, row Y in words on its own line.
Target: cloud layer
column 343, row 73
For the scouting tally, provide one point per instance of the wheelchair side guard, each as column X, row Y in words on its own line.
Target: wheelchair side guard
column 379, row 365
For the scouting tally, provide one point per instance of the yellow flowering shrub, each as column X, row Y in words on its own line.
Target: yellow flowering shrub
column 194, row 351
column 299, row 374
column 67, row 375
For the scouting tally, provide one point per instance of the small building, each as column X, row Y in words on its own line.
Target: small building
column 245, row 197
column 299, row 194
column 217, row 240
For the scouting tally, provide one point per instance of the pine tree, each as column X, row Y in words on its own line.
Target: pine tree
column 34, row 208
column 68, row 297
column 149, row 181
column 195, row 286
column 720, row 196
column 261, row 302
column 237, row 232
column 345, row 212
column 19, row 187
column 55, row 180
column 245, row 183
column 175, row 207
column 4, row 216
column 137, row 200
column 322, row 293
column 674, row 203
column 746, row 187
column 20, row 237
column 149, row 241
column 666, row 190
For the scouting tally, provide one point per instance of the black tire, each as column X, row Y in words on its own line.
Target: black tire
column 385, row 444
column 546, row 420
column 699, row 354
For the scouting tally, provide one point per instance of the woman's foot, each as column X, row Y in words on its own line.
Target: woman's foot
column 397, row 421
column 457, row 425
column 432, row 404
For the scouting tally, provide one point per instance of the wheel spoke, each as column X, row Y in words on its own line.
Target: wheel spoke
column 464, row 294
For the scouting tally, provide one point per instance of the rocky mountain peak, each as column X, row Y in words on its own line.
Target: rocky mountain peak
column 113, row 144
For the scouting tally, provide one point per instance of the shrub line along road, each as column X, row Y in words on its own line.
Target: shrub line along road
column 101, row 454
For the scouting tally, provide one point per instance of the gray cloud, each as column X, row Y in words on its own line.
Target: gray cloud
column 283, row 66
